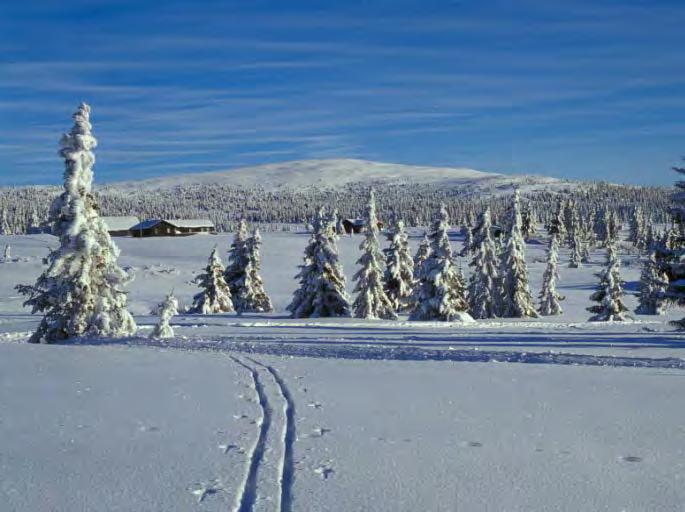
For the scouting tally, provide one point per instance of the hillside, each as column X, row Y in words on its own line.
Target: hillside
column 339, row 172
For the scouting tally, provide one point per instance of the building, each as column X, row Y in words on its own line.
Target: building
column 356, row 226
column 172, row 227
column 120, row 226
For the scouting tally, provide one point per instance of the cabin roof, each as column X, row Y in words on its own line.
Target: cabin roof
column 177, row 223
column 120, row 223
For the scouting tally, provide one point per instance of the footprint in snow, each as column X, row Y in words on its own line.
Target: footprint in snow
column 631, row 458
column 324, row 471
column 239, row 416
column 314, row 405
column 471, row 444
column 225, row 448
column 318, row 432
column 202, row 490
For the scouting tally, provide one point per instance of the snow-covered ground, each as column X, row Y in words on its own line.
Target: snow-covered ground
column 263, row 412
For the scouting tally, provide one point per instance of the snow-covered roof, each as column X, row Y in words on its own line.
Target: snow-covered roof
column 177, row 223
column 120, row 223
column 191, row 223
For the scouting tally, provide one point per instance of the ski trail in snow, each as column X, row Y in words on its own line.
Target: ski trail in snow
column 286, row 464
column 246, row 495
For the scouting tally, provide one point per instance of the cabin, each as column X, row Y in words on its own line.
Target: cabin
column 172, row 227
column 356, row 226
column 120, row 226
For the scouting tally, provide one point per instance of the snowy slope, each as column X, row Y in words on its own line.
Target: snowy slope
column 264, row 413
column 337, row 172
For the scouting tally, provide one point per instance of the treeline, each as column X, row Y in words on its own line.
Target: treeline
column 25, row 210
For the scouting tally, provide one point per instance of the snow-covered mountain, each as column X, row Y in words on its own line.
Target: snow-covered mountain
column 338, row 172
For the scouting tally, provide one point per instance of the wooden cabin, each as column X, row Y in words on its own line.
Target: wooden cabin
column 120, row 226
column 173, row 227
column 356, row 226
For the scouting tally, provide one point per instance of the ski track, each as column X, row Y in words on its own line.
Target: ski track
column 286, row 466
column 246, row 495
column 404, row 351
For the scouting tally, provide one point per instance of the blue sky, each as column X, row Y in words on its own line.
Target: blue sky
column 578, row 89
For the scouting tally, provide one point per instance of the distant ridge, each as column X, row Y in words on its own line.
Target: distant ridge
column 332, row 173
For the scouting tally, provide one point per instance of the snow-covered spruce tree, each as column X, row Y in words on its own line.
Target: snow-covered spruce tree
column 4, row 224
column 7, row 255
column 549, row 297
column 671, row 251
column 166, row 311
column 237, row 261
column 528, row 228
column 576, row 253
column 322, row 283
column 80, row 291
column 250, row 294
column 399, row 269
column 517, row 301
column 637, row 228
column 653, row 283
column 556, row 224
column 610, row 307
column 440, row 292
column 467, row 249
column 371, row 300
column 421, row 255
column 215, row 296
column 483, row 300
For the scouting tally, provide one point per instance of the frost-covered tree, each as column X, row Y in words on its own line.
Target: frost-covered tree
column 517, row 301
column 80, row 291
column 576, row 253
column 637, row 228
column 215, row 296
column 237, row 261
column 7, row 255
column 421, row 255
column 371, row 300
column 609, row 290
column 4, row 224
column 399, row 269
column 671, row 251
column 549, row 297
column 250, row 295
column 528, row 228
column 467, row 249
column 321, row 291
column 166, row 311
column 557, row 225
column 483, row 299
column 653, row 283
column 440, row 293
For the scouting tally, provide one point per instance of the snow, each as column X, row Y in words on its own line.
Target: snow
column 331, row 173
column 555, row 413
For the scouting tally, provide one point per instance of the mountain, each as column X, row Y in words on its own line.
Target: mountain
column 332, row 173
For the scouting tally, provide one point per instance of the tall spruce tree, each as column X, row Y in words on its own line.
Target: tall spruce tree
column 399, row 269
column 215, row 296
column 440, row 293
column 80, row 292
column 517, row 301
column 321, row 291
column 671, row 252
column 549, row 297
column 371, row 301
column 609, row 290
column 483, row 299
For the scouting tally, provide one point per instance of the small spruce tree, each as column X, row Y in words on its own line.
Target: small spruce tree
column 166, row 311
column 215, row 296
column 483, row 299
column 440, row 292
column 609, row 290
column 653, row 284
column 549, row 297
column 399, row 269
